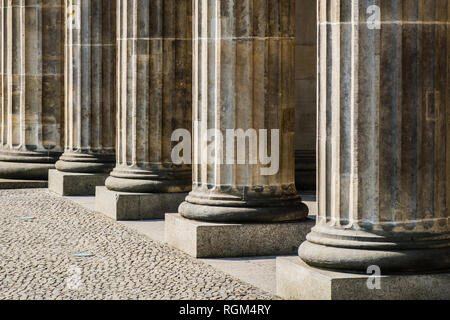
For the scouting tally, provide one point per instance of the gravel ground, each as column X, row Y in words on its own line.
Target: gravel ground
column 41, row 234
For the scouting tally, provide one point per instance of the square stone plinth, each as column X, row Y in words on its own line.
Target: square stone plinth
column 298, row 281
column 220, row 240
column 22, row 184
column 124, row 206
column 75, row 184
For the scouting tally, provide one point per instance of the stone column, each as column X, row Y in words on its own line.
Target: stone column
column 384, row 141
column 32, row 91
column 154, row 92
column 243, row 95
column 244, row 79
column 91, row 94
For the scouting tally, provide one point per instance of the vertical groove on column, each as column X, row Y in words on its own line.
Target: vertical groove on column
column 90, row 86
column 32, row 87
column 322, row 135
column 155, row 78
column 389, row 112
column 410, row 108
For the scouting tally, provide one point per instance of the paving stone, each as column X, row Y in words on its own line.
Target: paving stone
column 36, row 261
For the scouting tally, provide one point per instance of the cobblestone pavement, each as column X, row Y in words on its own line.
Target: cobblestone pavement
column 40, row 233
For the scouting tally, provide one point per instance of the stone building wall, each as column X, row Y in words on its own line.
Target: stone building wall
column 305, row 91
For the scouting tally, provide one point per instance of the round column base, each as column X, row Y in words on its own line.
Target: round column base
column 392, row 253
column 26, row 165
column 223, row 211
column 146, row 181
column 85, row 163
column 25, row 171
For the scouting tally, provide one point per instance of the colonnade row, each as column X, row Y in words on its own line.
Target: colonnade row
column 100, row 87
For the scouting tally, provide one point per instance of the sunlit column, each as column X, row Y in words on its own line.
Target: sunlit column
column 32, row 87
column 154, row 92
column 243, row 111
column 384, row 137
column 90, row 87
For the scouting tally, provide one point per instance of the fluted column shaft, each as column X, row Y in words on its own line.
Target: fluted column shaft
column 154, row 77
column 243, row 84
column 384, row 137
column 32, row 94
column 90, row 86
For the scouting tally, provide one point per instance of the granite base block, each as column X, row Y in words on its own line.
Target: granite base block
column 217, row 240
column 298, row 281
column 75, row 184
column 123, row 206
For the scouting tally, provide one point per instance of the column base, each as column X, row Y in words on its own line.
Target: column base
column 122, row 206
column 25, row 171
column 217, row 240
column 298, row 281
column 393, row 252
column 22, row 184
column 86, row 163
column 26, row 165
column 158, row 180
column 75, row 184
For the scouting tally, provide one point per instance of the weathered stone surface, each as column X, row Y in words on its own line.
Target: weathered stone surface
column 22, row 184
column 243, row 79
column 90, row 87
column 298, row 281
column 211, row 240
column 136, row 206
column 75, row 184
column 32, row 81
column 155, row 80
column 384, row 136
